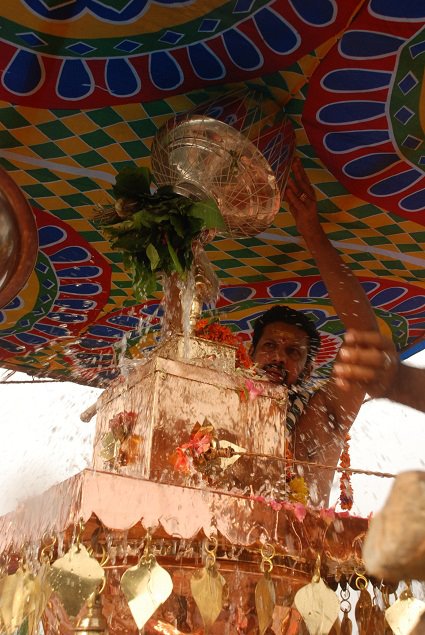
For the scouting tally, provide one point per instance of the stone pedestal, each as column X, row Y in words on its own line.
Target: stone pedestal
column 167, row 396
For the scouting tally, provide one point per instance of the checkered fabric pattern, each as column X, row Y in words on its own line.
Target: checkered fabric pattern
column 65, row 161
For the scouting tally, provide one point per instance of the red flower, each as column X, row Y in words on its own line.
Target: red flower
column 199, row 442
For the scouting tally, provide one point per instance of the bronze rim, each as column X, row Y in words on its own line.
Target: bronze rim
column 18, row 239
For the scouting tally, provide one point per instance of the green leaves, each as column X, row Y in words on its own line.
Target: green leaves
column 120, row 228
column 149, row 219
column 174, row 257
column 153, row 256
column 177, row 224
column 209, row 213
column 132, row 182
column 158, row 234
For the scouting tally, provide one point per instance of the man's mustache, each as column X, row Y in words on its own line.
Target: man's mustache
column 277, row 368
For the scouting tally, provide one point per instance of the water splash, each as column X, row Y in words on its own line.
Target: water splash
column 187, row 298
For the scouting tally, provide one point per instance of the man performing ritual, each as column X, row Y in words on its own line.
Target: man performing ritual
column 285, row 342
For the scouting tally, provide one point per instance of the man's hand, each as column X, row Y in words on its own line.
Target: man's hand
column 301, row 198
column 367, row 359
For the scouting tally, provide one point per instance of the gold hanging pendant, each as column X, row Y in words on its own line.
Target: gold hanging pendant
column 265, row 601
column 265, row 594
column 346, row 625
column 317, row 604
column 15, row 600
column 363, row 608
column 405, row 613
column 336, row 628
column 23, row 599
column 40, row 596
column 75, row 577
column 208, row 588
column 110, row 447
column 146, row 586
column 376, row 622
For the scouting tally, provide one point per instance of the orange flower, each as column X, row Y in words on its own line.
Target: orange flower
column 216, row 332
column 193, row 451
column 180, row 461
column 130, row 449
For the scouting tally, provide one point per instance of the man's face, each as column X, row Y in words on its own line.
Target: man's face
column 282, row 349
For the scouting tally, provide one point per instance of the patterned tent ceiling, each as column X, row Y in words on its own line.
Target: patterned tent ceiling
column 86, row 84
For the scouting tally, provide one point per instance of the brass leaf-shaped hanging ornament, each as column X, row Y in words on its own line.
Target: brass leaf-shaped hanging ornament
column 318, row 606
column 15, row 600
column 208, row 586
column 363, row 611
column 336, row 628
column 40, row 596
column 23, row 599
column 376, row 622
column 74, row 578
column 265, row 594
column 265, row 601
column 405, row 613
column 346, row 625
column 110, row 447
column 146, row 586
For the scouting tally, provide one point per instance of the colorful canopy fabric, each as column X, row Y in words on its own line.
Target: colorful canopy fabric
column 87, row 83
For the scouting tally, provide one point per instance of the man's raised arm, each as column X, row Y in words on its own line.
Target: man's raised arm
column 345, row 291
column 370, row 359
column 322, row 428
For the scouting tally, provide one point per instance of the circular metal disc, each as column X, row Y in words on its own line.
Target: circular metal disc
column 18, row 239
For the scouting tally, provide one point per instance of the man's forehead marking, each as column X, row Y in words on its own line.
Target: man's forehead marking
column 287, row 331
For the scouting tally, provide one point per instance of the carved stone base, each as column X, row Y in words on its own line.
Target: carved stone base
column 167, row 397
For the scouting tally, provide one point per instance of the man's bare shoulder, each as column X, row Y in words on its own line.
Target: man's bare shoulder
column 318, row 436
column 316, row 410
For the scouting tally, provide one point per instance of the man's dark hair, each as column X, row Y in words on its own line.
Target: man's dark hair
column 283, row 313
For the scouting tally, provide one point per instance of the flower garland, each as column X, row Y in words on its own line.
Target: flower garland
column 346, row 489
column 154, row 232
column 211, row 329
